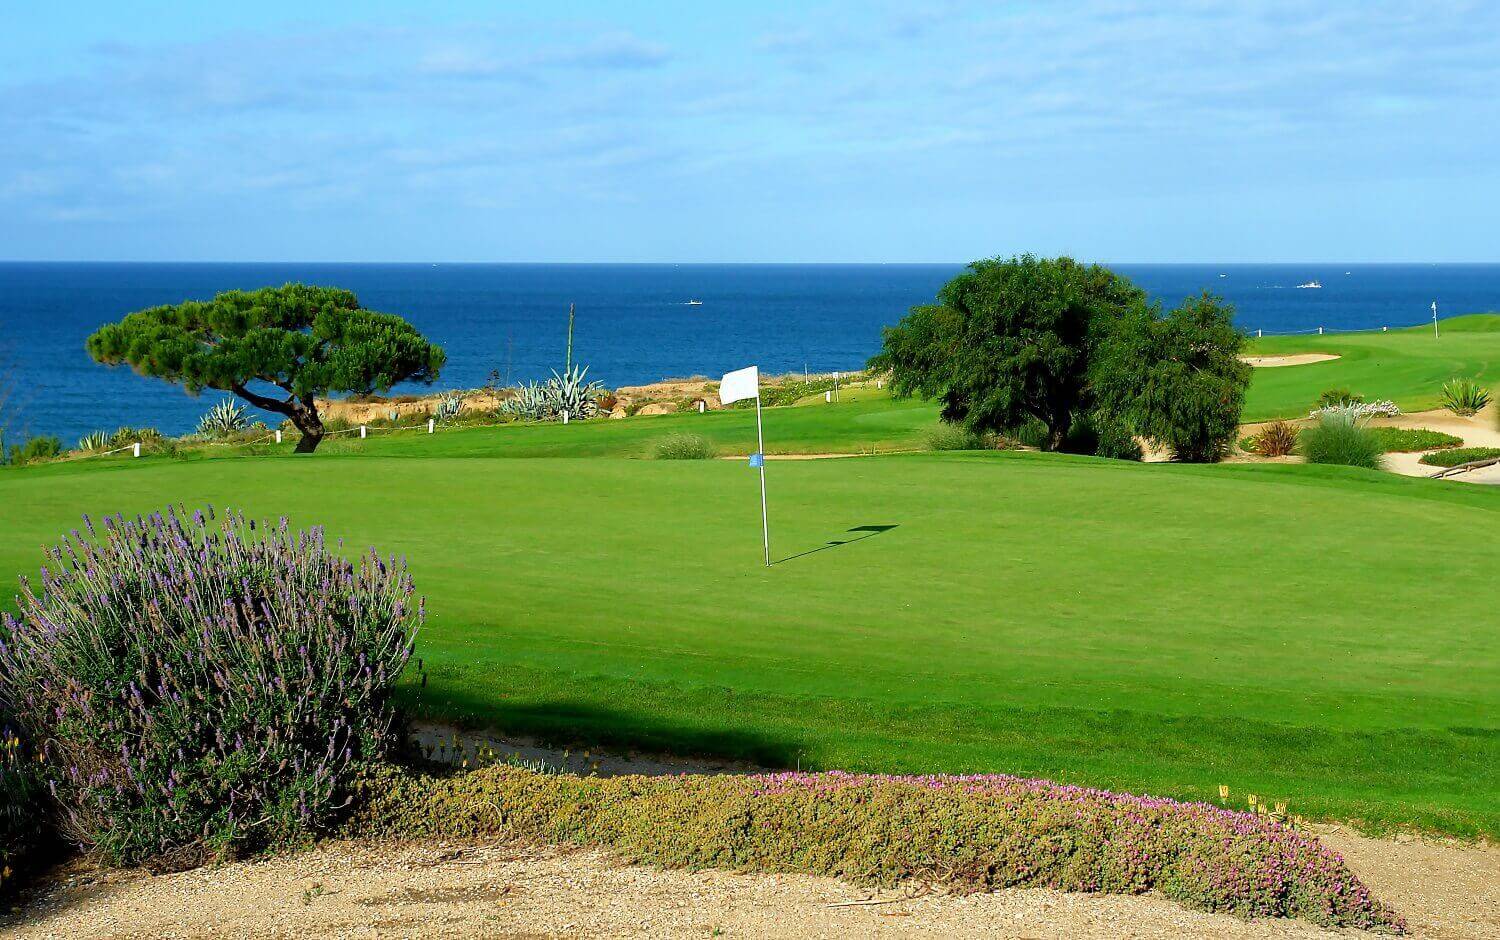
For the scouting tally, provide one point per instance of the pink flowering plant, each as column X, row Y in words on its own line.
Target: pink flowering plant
column 196, row 685
column 966, row 832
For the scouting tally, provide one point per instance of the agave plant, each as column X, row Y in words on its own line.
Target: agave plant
column 527, row 402
column 578, row 397
column 1464, row 396
column 95, row 440
column 226, row 418
column 569, row 391
column 449, row 407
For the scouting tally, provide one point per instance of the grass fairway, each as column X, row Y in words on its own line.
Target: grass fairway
column 1318, row 635
column 1406, row 366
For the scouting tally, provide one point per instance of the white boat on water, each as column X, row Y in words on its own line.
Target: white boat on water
column 1310, row 285
column 694, row 303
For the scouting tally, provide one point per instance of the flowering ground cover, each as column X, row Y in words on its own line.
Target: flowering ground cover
column 978, row 832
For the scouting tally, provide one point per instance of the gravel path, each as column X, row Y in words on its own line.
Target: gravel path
column 456, row 889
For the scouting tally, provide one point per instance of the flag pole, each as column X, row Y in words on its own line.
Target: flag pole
column 760, row 440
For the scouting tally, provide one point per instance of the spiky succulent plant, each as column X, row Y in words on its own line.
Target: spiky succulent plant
column 226, row 418
column 94, row 440
column 568, row 391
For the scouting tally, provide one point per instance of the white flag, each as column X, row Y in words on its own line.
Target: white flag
column 740, row 384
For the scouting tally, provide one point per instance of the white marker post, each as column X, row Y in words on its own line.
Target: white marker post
column 736, row 386
column 1434, row 320
column 278, row 435
column 137, row 448
column 431, row 425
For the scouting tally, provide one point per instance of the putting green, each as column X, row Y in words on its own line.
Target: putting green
column 1318, row 635
column 1406, row 366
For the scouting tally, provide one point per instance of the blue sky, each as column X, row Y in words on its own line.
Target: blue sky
column 942, row 131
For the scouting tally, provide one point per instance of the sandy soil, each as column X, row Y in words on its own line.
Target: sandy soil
column 1274, row 362
column 464, row 889
column 1478, row 430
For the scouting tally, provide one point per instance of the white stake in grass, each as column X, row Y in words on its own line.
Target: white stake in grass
column 737, row 386
column 1434, row 320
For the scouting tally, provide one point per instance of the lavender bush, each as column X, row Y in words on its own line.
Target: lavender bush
column 201, row 686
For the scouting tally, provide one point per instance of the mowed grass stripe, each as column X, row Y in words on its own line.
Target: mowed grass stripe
column 1303, row 633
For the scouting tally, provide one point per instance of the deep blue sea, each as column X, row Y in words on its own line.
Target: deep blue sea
column 633, row 323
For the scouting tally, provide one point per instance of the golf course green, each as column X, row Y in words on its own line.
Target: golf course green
column 1407, row 366
column 1317, row 635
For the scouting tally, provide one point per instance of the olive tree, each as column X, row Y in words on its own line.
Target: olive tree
column 1176, row 379
column 278, row 348
column 1009, row 340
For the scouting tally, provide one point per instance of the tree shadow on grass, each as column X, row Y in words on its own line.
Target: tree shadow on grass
column 865, row 532
column 562, row 724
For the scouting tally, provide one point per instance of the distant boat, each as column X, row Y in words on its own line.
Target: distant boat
column 1223, row 275
column 695, row 303
column 1310, row 285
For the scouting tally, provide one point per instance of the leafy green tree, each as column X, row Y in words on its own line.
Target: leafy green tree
column 1009, row 340
column 302, row 341
column 1177, row 379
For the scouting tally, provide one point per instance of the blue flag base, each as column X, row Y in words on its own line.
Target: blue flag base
column 757, row 460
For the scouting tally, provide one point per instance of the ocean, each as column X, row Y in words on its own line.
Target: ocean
column 633, row 322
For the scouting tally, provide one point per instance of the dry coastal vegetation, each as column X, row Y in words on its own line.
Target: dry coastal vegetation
column 192, row 687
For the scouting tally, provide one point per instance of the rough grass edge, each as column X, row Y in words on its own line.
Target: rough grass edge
column 969, row 833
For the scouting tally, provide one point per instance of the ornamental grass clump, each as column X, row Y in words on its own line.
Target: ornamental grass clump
column 1276, row 439
column 1340, row 437
column 968, row 832
column 684, row 447
column 200, row 686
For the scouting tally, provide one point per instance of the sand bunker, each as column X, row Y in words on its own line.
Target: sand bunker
column 1299, row 359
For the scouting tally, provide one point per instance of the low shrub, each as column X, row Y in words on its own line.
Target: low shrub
column 1339, row 398
column 684, row 447
column 1410, row 440
column 957, row 437
column 1464, row 396
column 127, row 435
column 1032, row 433
column 20, row 815
column 974, row 832
column 1276, row 439
column 200, row 687
column 1339, row 438
column 1459, row 455
column 35, row 449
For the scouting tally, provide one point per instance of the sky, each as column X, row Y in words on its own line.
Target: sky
column 1110, row 130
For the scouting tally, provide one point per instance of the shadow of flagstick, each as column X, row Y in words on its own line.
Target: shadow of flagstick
column 866, row 531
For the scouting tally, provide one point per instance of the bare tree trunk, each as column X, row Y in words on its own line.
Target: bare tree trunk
column 301, row 411
column 305, row 416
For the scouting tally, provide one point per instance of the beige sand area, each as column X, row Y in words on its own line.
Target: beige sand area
column 1479, row 430
column 1298, row 359
column 471, row 889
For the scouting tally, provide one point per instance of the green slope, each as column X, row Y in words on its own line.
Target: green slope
column 1317, row 635
column 1407, row 366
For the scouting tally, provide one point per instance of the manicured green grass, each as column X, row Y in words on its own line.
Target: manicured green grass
column 1458, row 455
column 1407, row 366
column 1409, row 440
column 1302, row 633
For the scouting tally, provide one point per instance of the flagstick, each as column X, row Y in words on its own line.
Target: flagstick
column 760, row 439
